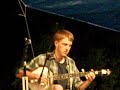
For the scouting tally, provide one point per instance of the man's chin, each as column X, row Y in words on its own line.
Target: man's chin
column 64, row 55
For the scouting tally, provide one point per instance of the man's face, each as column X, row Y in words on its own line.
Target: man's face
column 63, row 46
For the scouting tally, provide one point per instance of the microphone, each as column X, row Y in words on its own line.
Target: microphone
column 27, row 41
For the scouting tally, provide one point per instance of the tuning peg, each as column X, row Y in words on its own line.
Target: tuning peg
column 108, row 71
column 96, row 72
column 83, row 70
column 105, row 71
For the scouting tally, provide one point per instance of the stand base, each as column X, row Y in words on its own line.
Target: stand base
column 25, row 83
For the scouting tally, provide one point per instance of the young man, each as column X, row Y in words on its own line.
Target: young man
column 58, row 62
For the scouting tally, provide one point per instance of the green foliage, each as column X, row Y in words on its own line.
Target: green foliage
column 99, row 59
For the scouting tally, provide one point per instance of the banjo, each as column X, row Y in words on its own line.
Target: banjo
column 34, row 85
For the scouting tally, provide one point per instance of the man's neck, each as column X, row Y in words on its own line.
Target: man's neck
column 62, row 61
column 59, row 59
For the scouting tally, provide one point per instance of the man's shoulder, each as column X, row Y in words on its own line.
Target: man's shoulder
column 40, row 56
column 70, row 59
column 44, row 55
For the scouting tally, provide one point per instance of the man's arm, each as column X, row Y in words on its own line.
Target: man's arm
column 29, row 74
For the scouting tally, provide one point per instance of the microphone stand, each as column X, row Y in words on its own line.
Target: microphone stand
column 47, row 58
column 25, row 78
column 27, row 42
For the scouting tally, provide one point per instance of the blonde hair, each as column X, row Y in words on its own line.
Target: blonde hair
column 60, row 34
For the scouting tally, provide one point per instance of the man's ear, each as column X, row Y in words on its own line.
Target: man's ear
column 55, row 43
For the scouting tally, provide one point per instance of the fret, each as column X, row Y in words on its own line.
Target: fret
column 60, row 76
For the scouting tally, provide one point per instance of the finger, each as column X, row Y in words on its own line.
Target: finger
column 92, row 74
column 44, row 80
column 91, row 70
column 89, row 76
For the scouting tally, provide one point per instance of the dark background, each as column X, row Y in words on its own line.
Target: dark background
column 94, row 47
